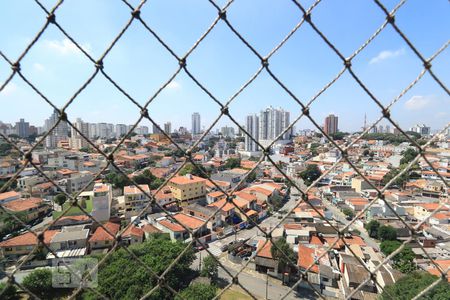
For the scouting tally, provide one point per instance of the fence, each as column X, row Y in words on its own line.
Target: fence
column 305, row 20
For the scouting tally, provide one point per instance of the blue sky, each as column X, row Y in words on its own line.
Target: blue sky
column 223, row 63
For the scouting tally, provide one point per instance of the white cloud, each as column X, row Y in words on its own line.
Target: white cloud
column 417, row 102
column 38, row 67
column 65, row 47
column 387, row 54
column 174, row 85
column 9, row 89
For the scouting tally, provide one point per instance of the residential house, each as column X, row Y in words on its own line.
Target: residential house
column 8, row 196
column 29, row 208
column 133, row 235
column 204, row 213
column 70, row 238
column 101, row 238
column 24, row 243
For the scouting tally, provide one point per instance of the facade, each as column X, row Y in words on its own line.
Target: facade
column 187, row 188
column 196, row 125
column 331, row 124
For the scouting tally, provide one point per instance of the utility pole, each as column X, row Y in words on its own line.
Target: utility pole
column 200, row 261
column 267, row 284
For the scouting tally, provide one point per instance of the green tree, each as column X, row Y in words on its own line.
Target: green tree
column 198, row 291
column 408, row 156
column 372, row 228
column 8, row 292
column 39, row 282
column 117, row 180
column 194, row 170
column 232, row 163
column 311, row 173
column 85, row 149
column 284, row 254
column 123, row 277
column 404, row 260
column 5, row 149
column 339, row 135
column 148, row 178
column 387, row 233
column 348, row 212
column 210, row 268
column 251, row 177
column 60, row 199
column 412, row 284
column 400, row 181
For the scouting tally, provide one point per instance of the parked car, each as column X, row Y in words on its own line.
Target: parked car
column 250, row 225
column 224, row 248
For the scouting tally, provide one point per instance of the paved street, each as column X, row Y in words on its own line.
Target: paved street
column 340, row 217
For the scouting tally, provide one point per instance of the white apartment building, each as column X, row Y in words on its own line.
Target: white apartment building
column 168, row 128
column 272, row 122
column 59, row 133
column 252, row 128
column 101, row 202
column 121, row 129
column 77, row 141
column 196, row 124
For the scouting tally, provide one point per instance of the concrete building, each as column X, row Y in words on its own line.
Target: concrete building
column 188, row 188
column 227, row 131
column 272, row 122
column 168, row 128
column 133, row 200
column 155, row 129
column 196, row 124
column 331, row 124
column 22, row 128
column 252, row 128
column 120, row 130
column 77, row 141
column 422, row 129
column 58, row 134
column 101, row 202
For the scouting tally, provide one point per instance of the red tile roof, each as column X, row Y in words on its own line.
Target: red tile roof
column 186, row 179
column 23, row 204
column 101, row 234
column 263, row 250
column 175, row 227
column 188, row 221
column 131, row 189
column 133, row 231
column 28, row 239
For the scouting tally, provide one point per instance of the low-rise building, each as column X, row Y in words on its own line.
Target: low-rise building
column 187, row 189
column 28, row 208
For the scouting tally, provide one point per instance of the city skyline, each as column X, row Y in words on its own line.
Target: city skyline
column 387, row 66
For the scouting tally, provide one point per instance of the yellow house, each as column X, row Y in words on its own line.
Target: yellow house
column 187, row 188
column 360, row 184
